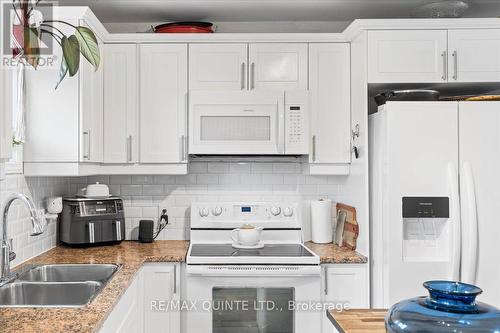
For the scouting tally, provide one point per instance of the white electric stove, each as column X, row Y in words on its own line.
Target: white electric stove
column 283, row 274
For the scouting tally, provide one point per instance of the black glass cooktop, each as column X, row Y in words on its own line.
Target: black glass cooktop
column 269, row 250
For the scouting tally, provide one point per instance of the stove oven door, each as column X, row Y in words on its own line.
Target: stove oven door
column 256, row 299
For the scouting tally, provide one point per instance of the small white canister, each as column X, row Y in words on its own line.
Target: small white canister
column 321, row 221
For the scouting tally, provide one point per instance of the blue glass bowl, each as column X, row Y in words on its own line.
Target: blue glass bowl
column 450, row 307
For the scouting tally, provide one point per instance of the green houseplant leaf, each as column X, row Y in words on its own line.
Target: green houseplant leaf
column 71, row 53
column 63, row 70
column 89, row 46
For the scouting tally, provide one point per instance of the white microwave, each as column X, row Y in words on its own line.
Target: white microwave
column 248, row 123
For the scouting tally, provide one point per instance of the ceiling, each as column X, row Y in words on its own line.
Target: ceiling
column 264, row 10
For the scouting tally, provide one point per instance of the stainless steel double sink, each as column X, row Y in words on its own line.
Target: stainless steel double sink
column 57, row 285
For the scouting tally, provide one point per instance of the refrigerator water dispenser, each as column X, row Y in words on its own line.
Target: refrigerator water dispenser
column 426, row 231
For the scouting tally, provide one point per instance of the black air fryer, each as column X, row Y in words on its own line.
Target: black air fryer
column 87, row 222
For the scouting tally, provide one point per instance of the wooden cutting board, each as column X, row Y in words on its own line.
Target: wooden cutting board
column 358, row 320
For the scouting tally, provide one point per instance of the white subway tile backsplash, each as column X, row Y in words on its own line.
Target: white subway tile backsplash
column 198, row 167
column 207, row 179
column 189, row 179
column 251, row 179
column 262, row 167
column 294, row 179
column 164, row 179
column 331, row 190
column 240, row 168
column 145, row 196
column 19, row 224
column 152, row 189
column 217, row 167
column 272, row 179
column 286, row 167
column 98, row 179
column 316, row 180
column 142, row 179
column 120, row 179
column 133, row 212
column 131, row 190
column 227, row 179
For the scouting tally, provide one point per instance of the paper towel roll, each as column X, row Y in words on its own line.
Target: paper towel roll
column 321, row 221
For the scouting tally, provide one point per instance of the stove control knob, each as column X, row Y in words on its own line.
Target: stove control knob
column 217, row 210
column 275, row 210
column 288, row 211
column 204, row 212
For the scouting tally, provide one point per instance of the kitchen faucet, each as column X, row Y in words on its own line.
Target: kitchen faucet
column 7, row 255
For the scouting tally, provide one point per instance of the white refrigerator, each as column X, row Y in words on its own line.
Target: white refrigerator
column 435, row 198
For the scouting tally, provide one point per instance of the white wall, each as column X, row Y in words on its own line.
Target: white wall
column 19, row 224
column 144, row 196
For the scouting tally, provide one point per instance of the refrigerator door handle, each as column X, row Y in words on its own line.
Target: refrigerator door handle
column 456, row 222
column 470, row 239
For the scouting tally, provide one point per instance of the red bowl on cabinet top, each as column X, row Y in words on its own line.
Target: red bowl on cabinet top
column 184, row 27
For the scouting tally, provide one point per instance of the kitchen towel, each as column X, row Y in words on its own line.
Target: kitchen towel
column 321, row 221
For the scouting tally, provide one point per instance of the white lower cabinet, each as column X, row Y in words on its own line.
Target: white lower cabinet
column 143, row 308
column 345, row 286
column 161, row 283
column 126, row 316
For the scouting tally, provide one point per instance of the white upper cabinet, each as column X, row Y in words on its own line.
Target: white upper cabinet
column 329, row 85
column 406, row 56
column 218, row 66
column 474, row 55
column 163, row 107
column 247, row 66
column 120, row 103
column 277, row 66
column 63, row 124
column 92, row 104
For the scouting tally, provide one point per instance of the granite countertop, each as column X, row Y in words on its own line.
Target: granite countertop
column 90, row 318
column 131, row 255
column 334, row 254
column 358, row 320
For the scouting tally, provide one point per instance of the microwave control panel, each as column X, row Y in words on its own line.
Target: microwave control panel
column 296, row 122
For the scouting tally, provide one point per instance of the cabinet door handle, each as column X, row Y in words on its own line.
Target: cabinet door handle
column 243, row 70
column 445, row 66
column 183, row 143
column 455, row 65
column 129, row 148
column 186, row 148
column 314, row 148
column 86, row 148
column 252, row 76
column 175, row 279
